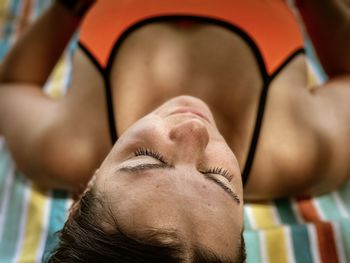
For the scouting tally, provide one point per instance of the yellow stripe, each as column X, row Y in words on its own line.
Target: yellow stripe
column 263, row 215
column 276, row 245
column 37, row 203
column 56, row 85
column 312, row 80
column 3, row 13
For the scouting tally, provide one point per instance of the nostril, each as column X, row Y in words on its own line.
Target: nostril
column 190, row 132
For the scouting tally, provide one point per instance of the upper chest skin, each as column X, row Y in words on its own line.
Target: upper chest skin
column 159, row 61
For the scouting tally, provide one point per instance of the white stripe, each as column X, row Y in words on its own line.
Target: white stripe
column 68, row 69
column 22, row 225
column 314, row 71
column 339, row 243
column 340, row 204
column 289, row 244
column 9, row 178
column 263, row 247
column 313, row 243
column 295, row 208
column 250, row 216
column 44, row 228
column 69, row 204
column 275, row 214
column 319, row 210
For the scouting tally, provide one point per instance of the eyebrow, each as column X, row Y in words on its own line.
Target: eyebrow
column 152, row 166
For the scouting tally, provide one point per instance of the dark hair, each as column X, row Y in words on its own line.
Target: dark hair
column 84, row 240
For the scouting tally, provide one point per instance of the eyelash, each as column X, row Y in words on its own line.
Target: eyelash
column 220, row 171
column 149, row 152
column 158, row 156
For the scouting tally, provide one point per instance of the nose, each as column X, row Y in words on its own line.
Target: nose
column 191, row 137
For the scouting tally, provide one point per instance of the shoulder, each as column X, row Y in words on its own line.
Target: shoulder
column 303, row 149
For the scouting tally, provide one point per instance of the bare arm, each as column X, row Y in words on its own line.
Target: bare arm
column 28, row 118
column 328, row 24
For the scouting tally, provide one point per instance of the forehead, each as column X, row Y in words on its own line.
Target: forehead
column 174, row 199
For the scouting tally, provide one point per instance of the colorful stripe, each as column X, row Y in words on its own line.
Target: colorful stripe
column 24, row 16
column 344, row 230
column 285, row 211
column 326, row 204
column 274, row 232
column 58, row 214
column 37, row 203
column 308, row 210
column 326, row 243
column 301, row 244
column 253, row 249
column 264, row 216
column 276, row 245
column 13, row 212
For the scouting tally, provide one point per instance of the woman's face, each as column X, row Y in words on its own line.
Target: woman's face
column 173, row 170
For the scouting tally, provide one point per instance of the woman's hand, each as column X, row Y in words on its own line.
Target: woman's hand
column 77, row 7
column 328, row 25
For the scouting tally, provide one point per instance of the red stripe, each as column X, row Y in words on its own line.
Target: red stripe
column 308, row 210
column 326, row 243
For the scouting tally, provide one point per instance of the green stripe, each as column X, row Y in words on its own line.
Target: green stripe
column 344, row 193
column 328, row 207
column 58, row 215
column 13, row 219
column 344, row 228
column 301, row 244
column 4, row 169
column 252, row 242
column 285, row 211
column 247, row 223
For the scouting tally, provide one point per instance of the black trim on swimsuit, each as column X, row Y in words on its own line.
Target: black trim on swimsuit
column 260, row 115
column 267, row 79
column 108, row 94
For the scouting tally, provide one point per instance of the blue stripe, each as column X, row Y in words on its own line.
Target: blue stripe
column 344, row 193
column 9, row 27
column 344, row 228
column 58, row 215
column 311, row 54
column 301, row 244
column 328, row 207
column 252, row 241
column 4, row 168
column 13, row 218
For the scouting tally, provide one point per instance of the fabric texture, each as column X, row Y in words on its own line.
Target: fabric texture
column 249, row 15
column 286, row 230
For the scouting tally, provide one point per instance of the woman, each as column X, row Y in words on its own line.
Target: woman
column 170, row 189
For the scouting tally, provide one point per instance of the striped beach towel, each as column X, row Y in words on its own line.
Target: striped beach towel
column 280, row 231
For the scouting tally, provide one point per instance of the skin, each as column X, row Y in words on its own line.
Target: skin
column 178, row 196
column 303, row 142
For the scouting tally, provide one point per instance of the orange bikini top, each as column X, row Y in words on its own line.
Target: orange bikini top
column 268, row 23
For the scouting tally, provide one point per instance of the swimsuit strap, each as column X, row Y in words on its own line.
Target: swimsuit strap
column 260, row 115
column 108, row 94
column 110, row 109
column 256, row 134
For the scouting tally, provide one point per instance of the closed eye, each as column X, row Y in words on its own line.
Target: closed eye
column 156, row 155
column 151, row 153
column 164, row 165
column 219, row 171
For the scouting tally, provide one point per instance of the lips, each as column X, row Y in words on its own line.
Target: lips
column 191, row 111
